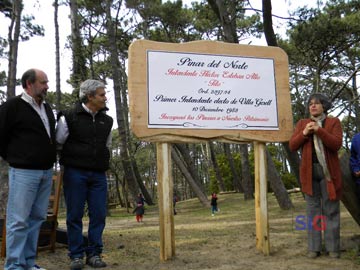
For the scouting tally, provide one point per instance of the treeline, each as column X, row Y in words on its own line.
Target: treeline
column 322, row 45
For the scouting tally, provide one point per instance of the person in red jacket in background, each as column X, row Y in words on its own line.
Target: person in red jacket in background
column 139, row 212
column 214, row 208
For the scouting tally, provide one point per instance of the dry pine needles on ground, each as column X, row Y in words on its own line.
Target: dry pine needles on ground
column 223, row 242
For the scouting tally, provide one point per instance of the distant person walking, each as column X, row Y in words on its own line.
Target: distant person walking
column 27, row 143
column 140, row 207
column 139, row 212
column 214, row 206
column 175, row 199
column 141, row 199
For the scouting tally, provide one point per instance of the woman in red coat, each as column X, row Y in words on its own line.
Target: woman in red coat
column 319, row 138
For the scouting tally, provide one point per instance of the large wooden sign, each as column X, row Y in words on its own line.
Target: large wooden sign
column 207, row 90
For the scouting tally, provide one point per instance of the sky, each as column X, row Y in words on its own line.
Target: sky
column 38, row 52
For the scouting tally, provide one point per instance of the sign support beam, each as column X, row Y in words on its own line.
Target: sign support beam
column 261, row 208
column 165, row 198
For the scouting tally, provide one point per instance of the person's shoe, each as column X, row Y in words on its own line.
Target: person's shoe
column 313, row 254
column 36, row 267
column 76, row 263
column 95, row 261
column 334, row 255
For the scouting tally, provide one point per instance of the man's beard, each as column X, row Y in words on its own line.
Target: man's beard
column 42, row 96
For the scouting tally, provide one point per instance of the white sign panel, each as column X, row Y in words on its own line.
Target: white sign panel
column 207, row 91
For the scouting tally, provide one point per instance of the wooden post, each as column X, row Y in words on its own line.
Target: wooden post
column 165, row 195
column 261, row 213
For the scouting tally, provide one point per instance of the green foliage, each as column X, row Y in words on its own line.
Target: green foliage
column 321, row 36
column 225, row 171
column 67, row 100
column 29, row 29
column 167, row 21
column 6, row 7
column 323, row 49
column 170, row 22
column 2, row 97
column 348, row 124
column 146, row 161
column 93, row 57
column 3, row 45
column 207, row 23
column 213, row 185
column 322, row 45
column 250, row 27
column 289, row 180
column 252, row 162
column 144, row 154
column 3, row 78
column 205, row 20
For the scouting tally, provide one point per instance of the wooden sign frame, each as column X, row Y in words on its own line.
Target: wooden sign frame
column 142, row 64
column 139, row 100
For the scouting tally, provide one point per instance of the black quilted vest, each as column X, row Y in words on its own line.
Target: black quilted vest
column 85, row 147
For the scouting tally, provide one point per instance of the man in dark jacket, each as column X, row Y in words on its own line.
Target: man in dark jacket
column 27, row 143
column 85, row 135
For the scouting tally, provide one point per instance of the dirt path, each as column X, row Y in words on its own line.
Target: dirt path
column 223, row 242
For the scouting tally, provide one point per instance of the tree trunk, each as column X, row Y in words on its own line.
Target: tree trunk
column 117, row 185
column 121, row 121
column 227, row 16
column 355, row 106
column 236, row 177
column 277, row 185
column 205, row 163
column 118, row 193
column 78, row 55
column 125, row 114
column 125, row 194
column 57, row 56
column 188, row 176
column 189, row 164
column 247, row 181
column 13, row 39
column 142, row 187
column 268, row 25
column 226, row 13
column 294, row 161
column 284, row 199
column 349, row 198
column 216, row 166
